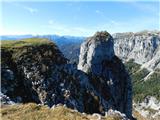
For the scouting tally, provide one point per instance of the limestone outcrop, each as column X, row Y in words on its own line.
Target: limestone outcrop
column 107, row 72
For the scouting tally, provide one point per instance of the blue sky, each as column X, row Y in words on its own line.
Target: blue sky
column 78, row 18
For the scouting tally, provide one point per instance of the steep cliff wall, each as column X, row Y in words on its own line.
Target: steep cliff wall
column 107, row 72
column 142, row 47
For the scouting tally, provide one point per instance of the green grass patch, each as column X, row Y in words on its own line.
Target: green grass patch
column 139, row 75
column 132, row 67
column 150, row 87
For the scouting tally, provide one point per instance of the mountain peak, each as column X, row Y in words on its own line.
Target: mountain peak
column 106, row 71
column 102, row 34
column 96, row 49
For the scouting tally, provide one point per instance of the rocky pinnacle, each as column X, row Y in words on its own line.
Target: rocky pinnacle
column 108, row 74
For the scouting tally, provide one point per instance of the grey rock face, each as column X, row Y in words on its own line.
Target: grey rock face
column 154, row 63
column 5, row 100
column 94, row 50
column 107, row 72
column 142, row 46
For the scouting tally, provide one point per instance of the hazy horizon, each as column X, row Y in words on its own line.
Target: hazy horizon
column 72, row 35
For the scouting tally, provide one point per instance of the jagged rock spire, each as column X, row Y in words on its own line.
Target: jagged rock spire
column 107, row 72
column 94, row 50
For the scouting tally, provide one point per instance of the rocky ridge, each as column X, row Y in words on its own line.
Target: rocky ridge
column 40, row 73
column 107, row 72
column 143, row 47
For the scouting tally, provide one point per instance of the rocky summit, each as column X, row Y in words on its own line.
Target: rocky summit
column 94, row 51
column 35, row 70
column 107, row 72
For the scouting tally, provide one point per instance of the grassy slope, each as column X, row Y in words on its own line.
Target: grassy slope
column 35, row 112
column 18, row 47
column 24, row 42
column 141, row 88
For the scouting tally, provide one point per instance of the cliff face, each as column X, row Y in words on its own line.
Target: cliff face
column 142, row 47
column 34, row 70
column 25, row 70
column 94, row 51
column 39, row 73
column 107, row 72
column 154, row 63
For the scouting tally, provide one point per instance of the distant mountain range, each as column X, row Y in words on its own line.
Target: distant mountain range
column 143, row 46
column 14, row 37
column 59, row 40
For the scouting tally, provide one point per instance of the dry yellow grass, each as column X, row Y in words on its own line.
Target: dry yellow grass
column 32, row 111
column 24, row 42
column 138, row 116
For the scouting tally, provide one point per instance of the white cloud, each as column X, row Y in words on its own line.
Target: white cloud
column 50, row 22
column 97, row 11
column 27, row 8
column 112, row 26
column 31, row 10
column 115, row 22
column 63, row 29
column 100, row 13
